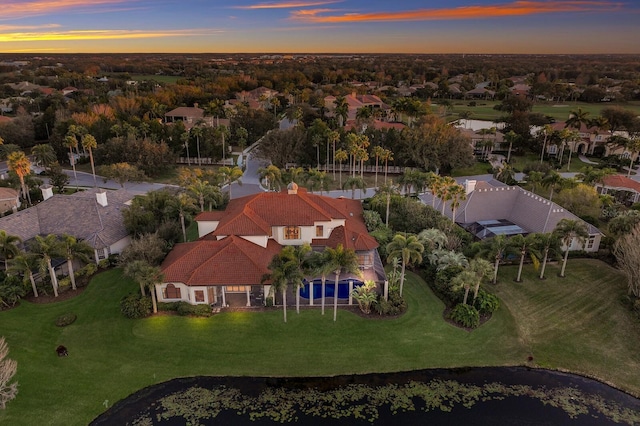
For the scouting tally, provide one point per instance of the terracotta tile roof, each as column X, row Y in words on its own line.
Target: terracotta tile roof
column 230, row 261
column 256, row 214
column 619, row 181
column 210, row 216
column 186, row 112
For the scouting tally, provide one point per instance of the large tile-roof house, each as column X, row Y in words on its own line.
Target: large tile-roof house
column 94, row 216
column 620, row 183
column 493, row 208
column 227, row 263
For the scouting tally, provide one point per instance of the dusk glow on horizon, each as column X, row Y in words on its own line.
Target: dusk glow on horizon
column 320, row 26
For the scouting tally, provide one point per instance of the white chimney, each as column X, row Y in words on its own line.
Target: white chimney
column 47, row 192
column 101, row 198
column 469, row 185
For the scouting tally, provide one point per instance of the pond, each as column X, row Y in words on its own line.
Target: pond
column 479, row 396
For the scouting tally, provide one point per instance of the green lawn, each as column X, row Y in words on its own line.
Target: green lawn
column 484, row 109
column 562, row 323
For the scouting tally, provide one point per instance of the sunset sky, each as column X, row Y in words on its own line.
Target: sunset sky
column 320, row 26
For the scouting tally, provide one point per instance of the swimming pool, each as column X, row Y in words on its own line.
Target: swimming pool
column 329, row 290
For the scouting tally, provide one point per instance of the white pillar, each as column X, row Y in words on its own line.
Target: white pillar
column 311, row 292
column 386, row 290
column 248, row 288
column 350, row 290
column 224, row 299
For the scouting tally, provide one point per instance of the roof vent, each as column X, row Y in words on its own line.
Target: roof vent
column 292, row 188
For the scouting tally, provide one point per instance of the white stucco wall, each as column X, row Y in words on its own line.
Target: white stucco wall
column 260, row 240
column 120, row 245
column 206, row 227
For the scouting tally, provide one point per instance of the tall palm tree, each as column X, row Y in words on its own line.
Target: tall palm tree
column 577, row 118
column 547, row 245
column 511, row 137
column 18, row 162
column 457, row 193
column 298, row 256
column 184, row 204
column 408, row 249
column 545, row 131
column 482, row 269
column 355, row 182
column 47, row 248
column 321, row 264
column 343, row 260
column 286, row 269
column 388, row 189
column 496, row 249
column 377, row 152
column 341, row 155
column 522, row 245
column 569, row 230
column 25, row 264
column 333, row 137
column 89, row 143
column 73, row 249
column 8, row 247
column 341, row 110
column 552, row 179
column 570, row 136
column 387, row 156
column 71, row 142
column 230, row 175
column 200, row 188
column 197, row 132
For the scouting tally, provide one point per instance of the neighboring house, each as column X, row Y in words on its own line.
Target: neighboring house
column 9, row 199
column 593, row 140
column 190, row 117
column 229, row 261
column 620, row 183
column 355, row 102
column 493, row 208
column 94, row 216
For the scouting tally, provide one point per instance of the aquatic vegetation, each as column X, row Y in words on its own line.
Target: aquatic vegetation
column 360, row 401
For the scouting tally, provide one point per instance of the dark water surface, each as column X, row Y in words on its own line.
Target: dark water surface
column 472, row 396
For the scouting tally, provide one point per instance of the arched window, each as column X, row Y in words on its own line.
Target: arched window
column 171, row 292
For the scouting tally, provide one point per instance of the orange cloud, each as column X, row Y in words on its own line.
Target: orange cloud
column 517, row 8
column 100, row 35
column 17, row 9
column 288, row 4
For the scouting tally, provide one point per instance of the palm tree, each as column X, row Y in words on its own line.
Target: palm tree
column 552, row 179
column 74, row 249
column 387, row 156
column 287, row 268
column 377, row 152
column 633, row 146
column 569, row 230
column 342, row 260
column 482, row 270
column 333, row 137
column 570, row 136
column 432, row 239
column 298, row 255
column 147, row 276
column 546, row 131
column 18, row 162
column 577, row 118
column 353, row 183
column 408, row 249
column 71, row 142
column 341, row 155
column 8, row 247
column 230, row 175
column 546, row 244
column 44, row 154
column 341, row 110
column 444, row 259
column 522, row 245
column 457, row 193
column 25, row 264
column 184, row 204
column 89, row 143
column 465, row 279
column 200, row 189
column 496, row 248
column 197, row 132
column 47, row 248
column 271, row 174
column 321, row 264
column 511, row 137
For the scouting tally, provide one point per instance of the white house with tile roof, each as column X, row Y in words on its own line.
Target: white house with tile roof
column 236, row 246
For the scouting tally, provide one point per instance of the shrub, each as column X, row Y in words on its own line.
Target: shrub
column 135, row 306
column 268, row 302
column 465, row 315
column 486, row 302
column 64, row 283
column 394, row 306
column 87, row 270
column 11, row 290
column 104, row 263
column 66, row 319
column 168, row 306
column 186, row 309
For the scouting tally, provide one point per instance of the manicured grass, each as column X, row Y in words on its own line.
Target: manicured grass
column 575, row 324
column 478, row 168
column 484, row 109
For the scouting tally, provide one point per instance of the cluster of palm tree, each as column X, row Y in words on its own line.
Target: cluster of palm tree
column 294, row 263
column 39, row 254
column 537, row 246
